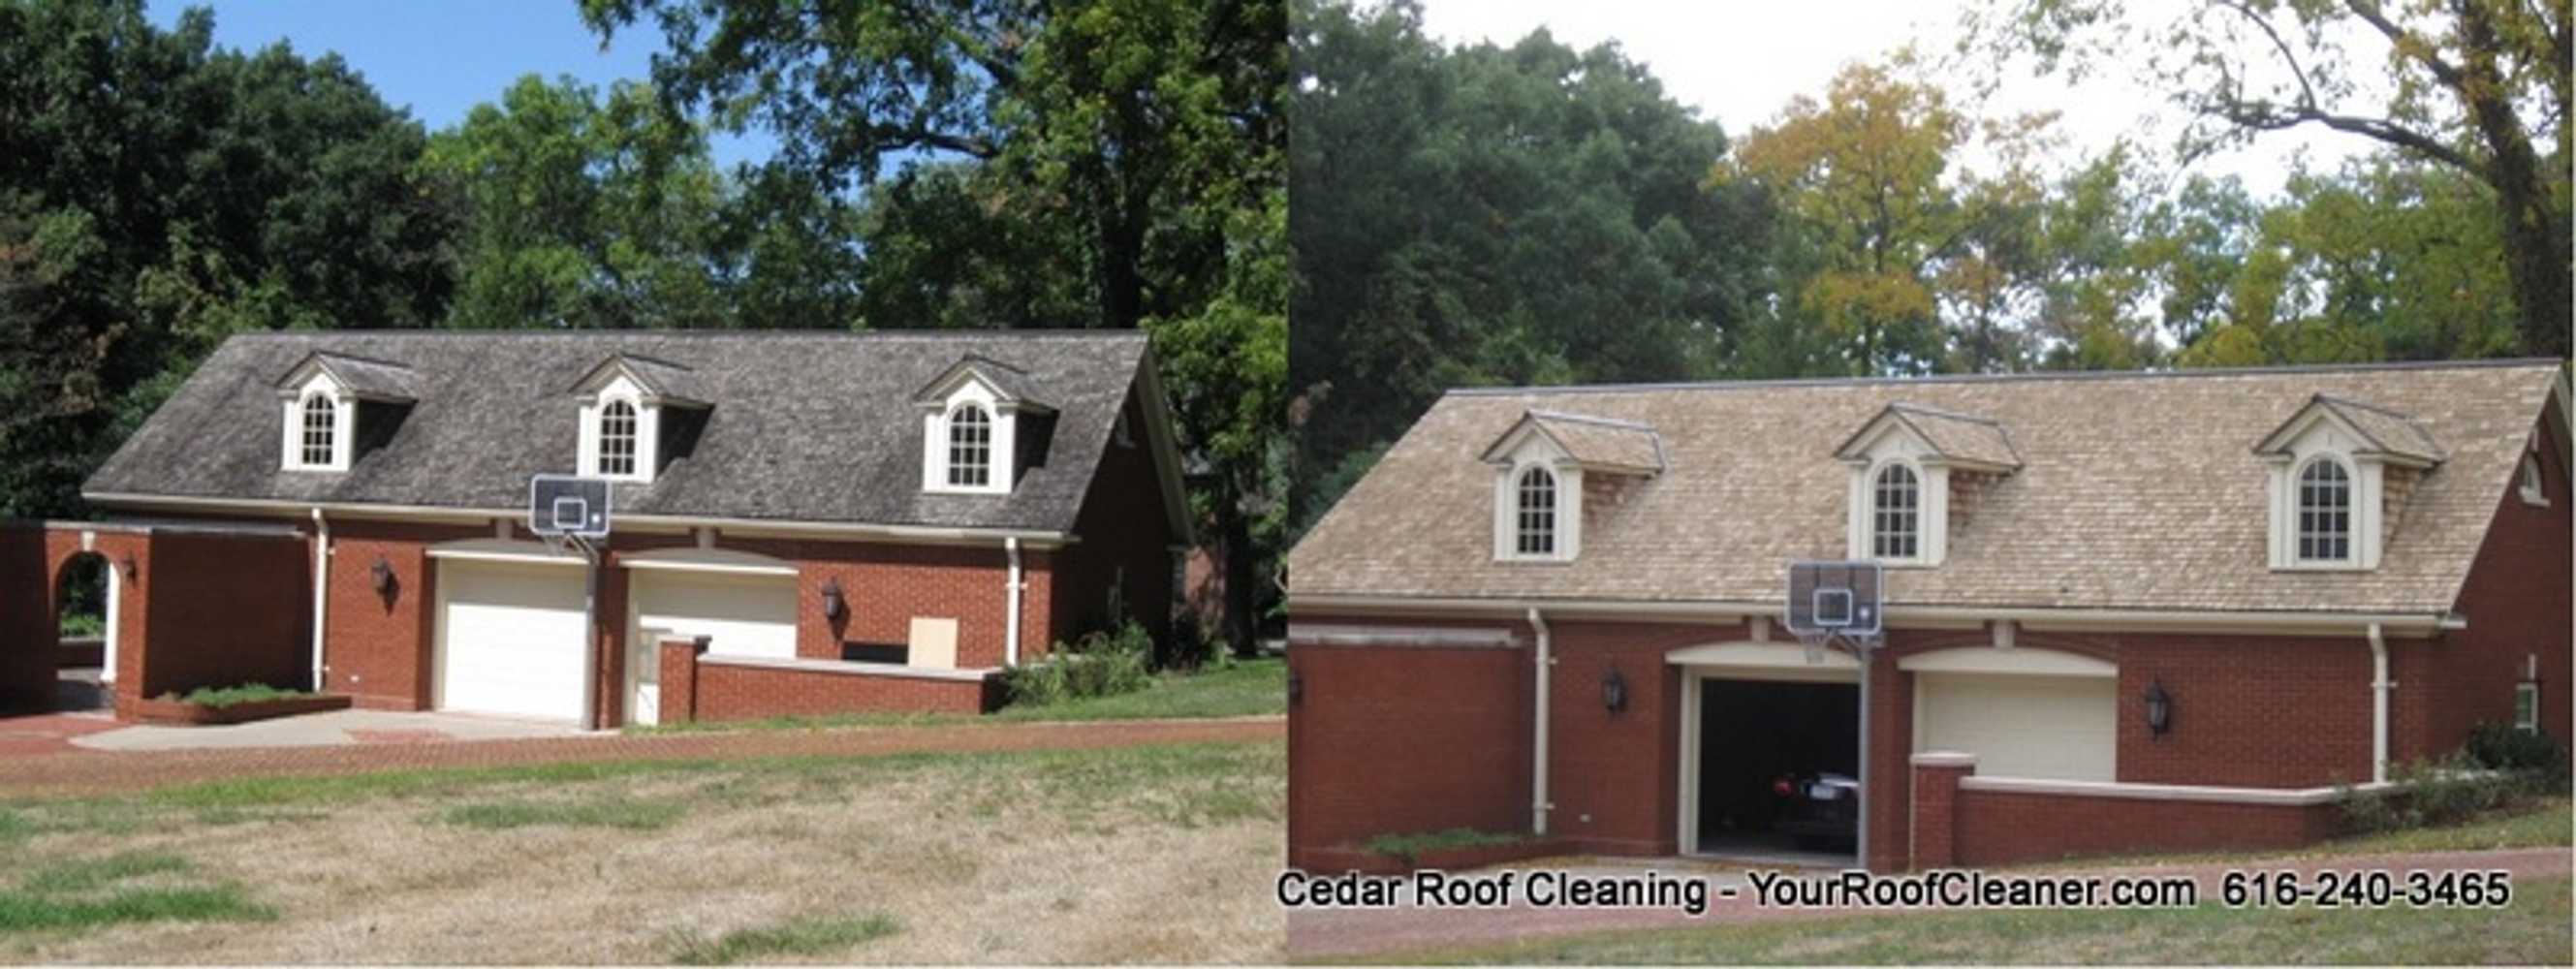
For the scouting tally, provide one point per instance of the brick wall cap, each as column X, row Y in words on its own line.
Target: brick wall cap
column 1945, row 758
column 848, row 668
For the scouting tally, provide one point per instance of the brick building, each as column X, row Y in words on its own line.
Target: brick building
column 1557, row 610
column 849, row 521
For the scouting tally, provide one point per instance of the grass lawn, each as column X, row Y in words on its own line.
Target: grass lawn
column 1040, row 856
column 2533, row 930
column 1255, row 687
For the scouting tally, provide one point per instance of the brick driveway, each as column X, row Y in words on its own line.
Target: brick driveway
column 1343, row 934
column 75, row 772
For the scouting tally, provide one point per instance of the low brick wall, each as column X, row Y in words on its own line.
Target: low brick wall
column 1961, row 821
column 180, row 713
column 697, row 686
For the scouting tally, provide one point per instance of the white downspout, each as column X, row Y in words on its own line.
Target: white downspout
column 1539, row 805
column 321, row 591
column 1011, row 620
column 2379, row 687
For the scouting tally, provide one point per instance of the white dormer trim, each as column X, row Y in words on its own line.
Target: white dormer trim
column 1892, row 444
column 622, row 387
column 2324, row 437
column 1537, row 451
column 317, row 383
column 973, row 391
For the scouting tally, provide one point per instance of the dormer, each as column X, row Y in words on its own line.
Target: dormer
column 971, row 417
column 321, row 400
column 1911, row 467
column 2341, row 471
column 626, row 402
column 1550, row 467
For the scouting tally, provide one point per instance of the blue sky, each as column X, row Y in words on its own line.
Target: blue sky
column 442, row 58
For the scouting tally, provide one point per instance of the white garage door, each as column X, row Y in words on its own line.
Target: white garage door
column 510, row 639
column 743, row 615
column 2058, row 727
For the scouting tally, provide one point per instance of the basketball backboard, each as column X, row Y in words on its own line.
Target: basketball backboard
column 571, row 505
column 1839, row 598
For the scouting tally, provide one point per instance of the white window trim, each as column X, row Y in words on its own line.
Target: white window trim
column 1931, row 512
column 2365, row 475
column 1004, row 454
column 2530, row 480
column 344, row 425
column 1569, row 510
column 648, row 431
column 2526, row 688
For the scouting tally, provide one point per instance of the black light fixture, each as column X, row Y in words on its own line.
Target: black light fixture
column 383, row 574
column 1296, row 687
column 1614, row 691
column 834, row 605
column 2159, row 709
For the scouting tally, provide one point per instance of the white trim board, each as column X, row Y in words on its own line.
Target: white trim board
column 2031, row 619
column 748, row 527
column 847, row 668
column 2277, row 797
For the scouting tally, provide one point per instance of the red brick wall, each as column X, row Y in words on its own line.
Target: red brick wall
column 2517, row 602
column 1124, row 530
column 1997, row 828
column 1406, row 739
column 379, row 647
column 225, row 610
column 1612, row 775
column 886, row 585
column 724, row 691
column 2249, row 711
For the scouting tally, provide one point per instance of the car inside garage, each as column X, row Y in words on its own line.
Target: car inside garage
column 1778, row 766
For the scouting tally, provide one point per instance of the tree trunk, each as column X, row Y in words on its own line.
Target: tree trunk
column 1234, row 544
column 2536, row 241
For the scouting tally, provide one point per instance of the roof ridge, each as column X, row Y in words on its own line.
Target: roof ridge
column 362, row 359
column 1555, row 415
column 1945, row 412
column 2003, row 378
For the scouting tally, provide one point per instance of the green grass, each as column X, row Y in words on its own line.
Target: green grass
column 2534, row 929
column 83, row 894
column 626, row 814
column 225, row 696
column 1256, row 687
column 1411, row 846
column 800, row 937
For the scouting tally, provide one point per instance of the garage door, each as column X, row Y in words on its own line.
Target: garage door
column 2058, row 727
column 742, row 615
column 510, row 639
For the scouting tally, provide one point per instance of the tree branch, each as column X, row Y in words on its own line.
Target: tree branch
column 2264, row 117
column 2370, row 13
column 2307, row 92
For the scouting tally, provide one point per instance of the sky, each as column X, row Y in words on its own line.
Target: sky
column 1739, row 62
column 442, row 58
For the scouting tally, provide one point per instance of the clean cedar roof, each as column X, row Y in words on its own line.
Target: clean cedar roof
column 2135, row 491
column 1613, row 445
column 800, row 426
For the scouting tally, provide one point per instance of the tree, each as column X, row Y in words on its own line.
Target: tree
column 1124, row 146
column 1491, row 214
column 580, row 212
column 2478, row 86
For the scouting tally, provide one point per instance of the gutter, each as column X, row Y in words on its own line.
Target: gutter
column 2403, row 624
column 2379, row 690
column 1011, row 596
column 321, row 592
column 1039, row 538
column 1539, row 805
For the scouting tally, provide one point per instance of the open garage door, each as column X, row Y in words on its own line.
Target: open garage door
column 2055, row 727
column 510, row 639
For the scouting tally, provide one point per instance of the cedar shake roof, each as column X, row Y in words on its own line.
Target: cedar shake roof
column 369, row 379
column 799, row 426
column 667, row 382
column 1958, row 437
column 1593, row 442
column 2135, row 490
column 2388, row 431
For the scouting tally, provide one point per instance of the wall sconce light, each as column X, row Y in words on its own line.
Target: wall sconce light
column 1614, row 691
column 1296, row 687
column 133, row 569
column 382, row 573
column 834, row 604
column 2159, row 709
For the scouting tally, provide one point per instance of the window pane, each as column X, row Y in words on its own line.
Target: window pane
column 1536, row 523
column 2325, row 513
column 617, row 438
column 319, row 427
column 970, row 447
column 1894, row 515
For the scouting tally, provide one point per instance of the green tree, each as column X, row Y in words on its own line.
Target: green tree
column 1123, row 147
column 2480, row 87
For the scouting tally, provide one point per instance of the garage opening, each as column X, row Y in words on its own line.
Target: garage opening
column 1779, row 769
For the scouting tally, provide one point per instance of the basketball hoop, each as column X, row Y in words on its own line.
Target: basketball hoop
column 569, row 512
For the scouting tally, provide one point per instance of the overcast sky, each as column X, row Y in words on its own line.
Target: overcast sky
column 1740, row 62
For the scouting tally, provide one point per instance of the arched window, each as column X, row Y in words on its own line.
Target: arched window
column 2535, row 487
column 970, row 447
column 2325, row 512
column 1535, row 532
column 321, row 427
column 1895, row 518
column 617, row 439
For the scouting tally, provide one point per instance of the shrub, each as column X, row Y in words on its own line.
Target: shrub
column 2425, row 793
column 1409, row 848
column 2536, row 758
column 209, row 696
column 1098, row 664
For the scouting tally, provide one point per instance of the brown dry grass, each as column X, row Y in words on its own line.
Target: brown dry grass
column 1147, row 854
